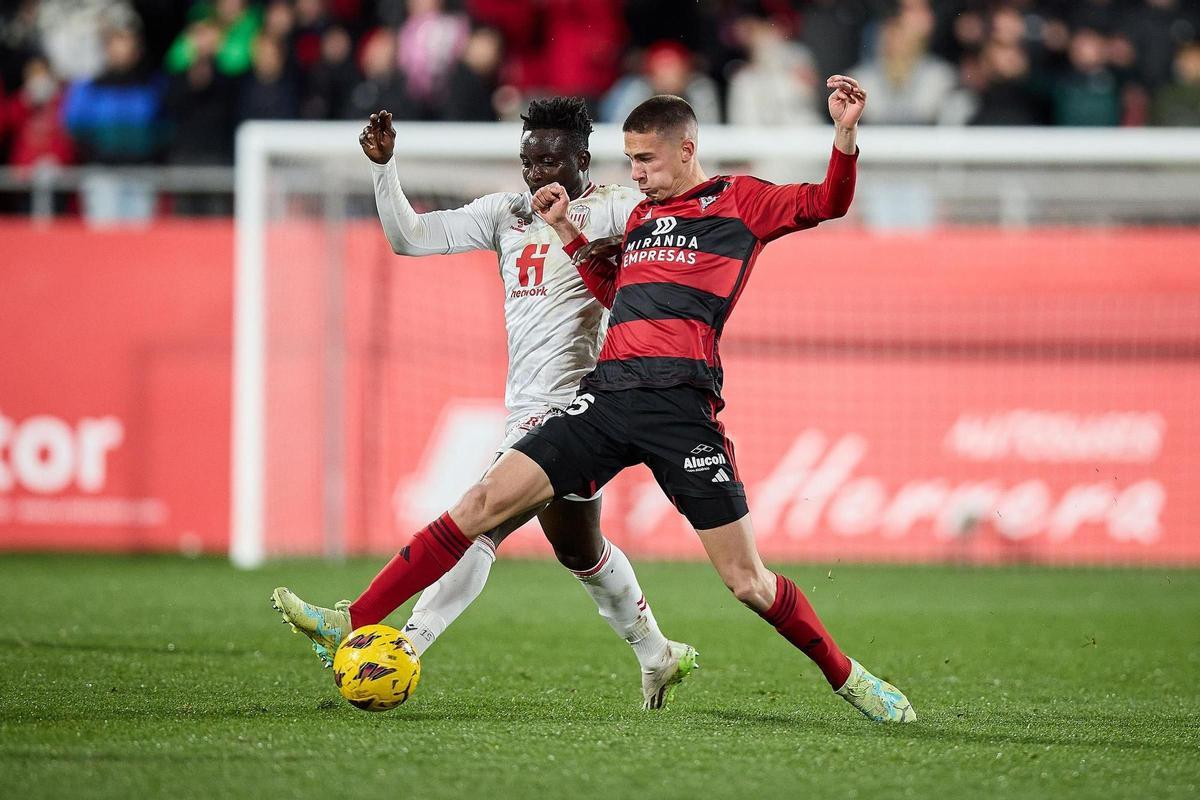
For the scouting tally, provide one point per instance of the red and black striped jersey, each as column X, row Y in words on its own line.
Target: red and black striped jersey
column 684, row 263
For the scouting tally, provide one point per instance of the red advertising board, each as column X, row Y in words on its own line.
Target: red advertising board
column 115, row 386
column 973, row 395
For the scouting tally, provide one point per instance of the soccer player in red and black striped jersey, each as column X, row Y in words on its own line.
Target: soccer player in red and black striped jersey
column 655, row 393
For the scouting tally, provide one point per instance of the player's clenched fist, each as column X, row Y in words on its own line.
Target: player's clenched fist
column 550, row 202
column 378, row 138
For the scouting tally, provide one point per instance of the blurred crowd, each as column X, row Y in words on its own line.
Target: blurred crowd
column 168, row 81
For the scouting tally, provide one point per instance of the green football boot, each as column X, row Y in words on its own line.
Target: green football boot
column 878, row 700
column 326, row 627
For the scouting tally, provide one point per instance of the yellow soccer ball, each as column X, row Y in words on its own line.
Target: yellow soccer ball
column 376, row 668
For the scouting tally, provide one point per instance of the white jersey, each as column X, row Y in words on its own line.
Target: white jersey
column 555, row 326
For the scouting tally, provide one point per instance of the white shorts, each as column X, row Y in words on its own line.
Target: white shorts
column 522, row 425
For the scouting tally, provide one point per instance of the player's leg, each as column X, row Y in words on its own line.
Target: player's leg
column 567, row 455
column 775, row 598
column 514, row 485
column 693, row 461
column 438, row 606
column 572, row 525
column 446, row 600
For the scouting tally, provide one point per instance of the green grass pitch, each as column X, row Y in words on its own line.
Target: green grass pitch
column 164, row 677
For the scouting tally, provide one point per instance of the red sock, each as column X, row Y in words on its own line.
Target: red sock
column 430, row 555
column 793, row 616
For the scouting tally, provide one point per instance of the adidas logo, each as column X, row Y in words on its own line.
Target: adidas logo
column 721, row 477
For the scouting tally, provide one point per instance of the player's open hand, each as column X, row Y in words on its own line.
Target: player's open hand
column 847, row 102
column 550, row 202
column 378, row 139
column 608, row 248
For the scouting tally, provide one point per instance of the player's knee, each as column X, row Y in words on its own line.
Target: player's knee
column 743, row 589
column 751, row 587
column 578, row 560
column 477, row 506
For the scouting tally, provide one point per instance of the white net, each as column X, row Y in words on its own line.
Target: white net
column 989, row 360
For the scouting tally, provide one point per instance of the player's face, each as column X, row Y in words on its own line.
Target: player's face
column 656, row 162
column 547, row 157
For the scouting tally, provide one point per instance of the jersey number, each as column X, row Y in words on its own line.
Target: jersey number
column 580, row 404
column 532, row 257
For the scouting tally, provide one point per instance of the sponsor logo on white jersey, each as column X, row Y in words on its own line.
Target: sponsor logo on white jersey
column 531, row 268
column 532, row 291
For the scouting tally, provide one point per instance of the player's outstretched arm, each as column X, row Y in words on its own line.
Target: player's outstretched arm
column 773, row 211
column 831, row 198
column 410, row 233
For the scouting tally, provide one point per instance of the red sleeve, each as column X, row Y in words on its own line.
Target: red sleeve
column 770, row 211
column 599, row 274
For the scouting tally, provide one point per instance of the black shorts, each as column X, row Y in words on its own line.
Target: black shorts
column 673, row 431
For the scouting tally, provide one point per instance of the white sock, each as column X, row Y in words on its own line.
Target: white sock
column 444, row 601
column 614, row 588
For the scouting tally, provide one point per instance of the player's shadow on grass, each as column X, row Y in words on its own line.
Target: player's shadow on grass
column 929, row 730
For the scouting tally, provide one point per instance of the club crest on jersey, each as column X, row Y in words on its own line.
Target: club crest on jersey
column 712, row 195
column 579, row 215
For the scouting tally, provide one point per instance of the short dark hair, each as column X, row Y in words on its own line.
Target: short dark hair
column 660, row 114
column 568, row 114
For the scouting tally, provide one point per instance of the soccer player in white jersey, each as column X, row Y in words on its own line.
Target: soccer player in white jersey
column 555, row 329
